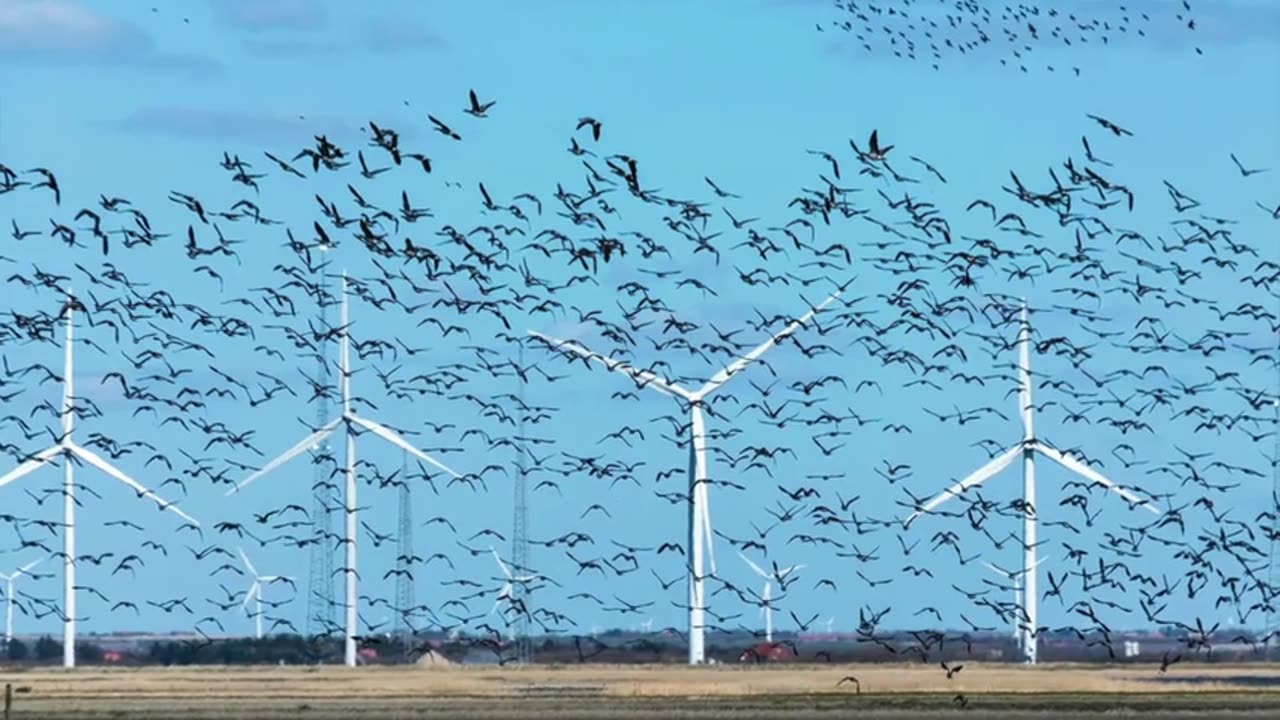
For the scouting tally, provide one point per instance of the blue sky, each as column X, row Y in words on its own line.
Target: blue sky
column 122, row 100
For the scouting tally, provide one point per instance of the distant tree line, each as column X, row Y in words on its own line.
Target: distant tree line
column 47, row 650
column 613, row 646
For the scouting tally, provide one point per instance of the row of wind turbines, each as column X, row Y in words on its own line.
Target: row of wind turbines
column 68, row 451
column 700, row 537
column 700, row 518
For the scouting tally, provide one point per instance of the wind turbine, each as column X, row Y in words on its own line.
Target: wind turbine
column 8, row 597
column 766, row 607
column 829, row 622
column 1027, row 450
column 255, row 591
column 508, row 591
column 350, row 421
column 699, row 522
column 1015, row 576
column 67, row 449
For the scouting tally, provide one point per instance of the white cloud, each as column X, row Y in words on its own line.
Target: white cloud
column 256, row 15
column 63, row 26
column 69, row 31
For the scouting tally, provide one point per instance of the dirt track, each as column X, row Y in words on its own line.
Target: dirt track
column 993, row 691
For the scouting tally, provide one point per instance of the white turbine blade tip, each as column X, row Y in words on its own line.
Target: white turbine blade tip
column 289, row 454
column 759, row 571
column 977, row 477
column 247, row 563
column 394, row 438
column 505, row 570
column 741, row 363
column 643, row 377
column 1079, row 468
column 36, row 462
column 95, row 460
column 557, row 343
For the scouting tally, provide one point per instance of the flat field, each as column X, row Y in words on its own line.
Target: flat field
column 568, row 692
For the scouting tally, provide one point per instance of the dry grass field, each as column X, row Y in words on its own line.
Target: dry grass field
column 600, row 691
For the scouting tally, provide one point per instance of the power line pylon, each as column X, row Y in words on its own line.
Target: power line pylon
column 520, row 536
column 321, row 609
column 1273, row 573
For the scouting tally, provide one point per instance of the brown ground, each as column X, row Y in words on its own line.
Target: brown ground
column 565, row 692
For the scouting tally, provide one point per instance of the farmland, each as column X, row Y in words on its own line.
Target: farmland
column 608, row 691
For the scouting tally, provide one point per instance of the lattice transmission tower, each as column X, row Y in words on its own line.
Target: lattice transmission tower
column 520, row 534
column 1273, row 573
column 405, row 592
column 321, row 608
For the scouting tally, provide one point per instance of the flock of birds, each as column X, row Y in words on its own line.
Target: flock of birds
column 937, row 31
column 929, row 295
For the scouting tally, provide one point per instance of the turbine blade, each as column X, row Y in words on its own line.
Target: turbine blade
column 979, row 476
column 36, row 462
column 503, row 594
column 1089, row 473
column 248, row 564
column 754, row 566
column 741, row 363
column 501, row 564
column 30, row 565
column 93, row 459
column 787, row 571
column 289, row 454
column 394, row 438
column 249, row 594
column 646, row 378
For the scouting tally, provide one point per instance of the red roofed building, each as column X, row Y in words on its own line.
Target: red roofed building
column 766, row 652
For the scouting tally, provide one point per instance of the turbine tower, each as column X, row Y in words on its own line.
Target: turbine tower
column 352, row 423
column 320, row 602
column 699, row 521
column 69, row 451
column 255, row 591
column 9, row 580
column 766, row 596
column 1014, row 576
column 1027, row 450
column 404, row 559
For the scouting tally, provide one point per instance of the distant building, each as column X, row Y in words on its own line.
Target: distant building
column 766, row 652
